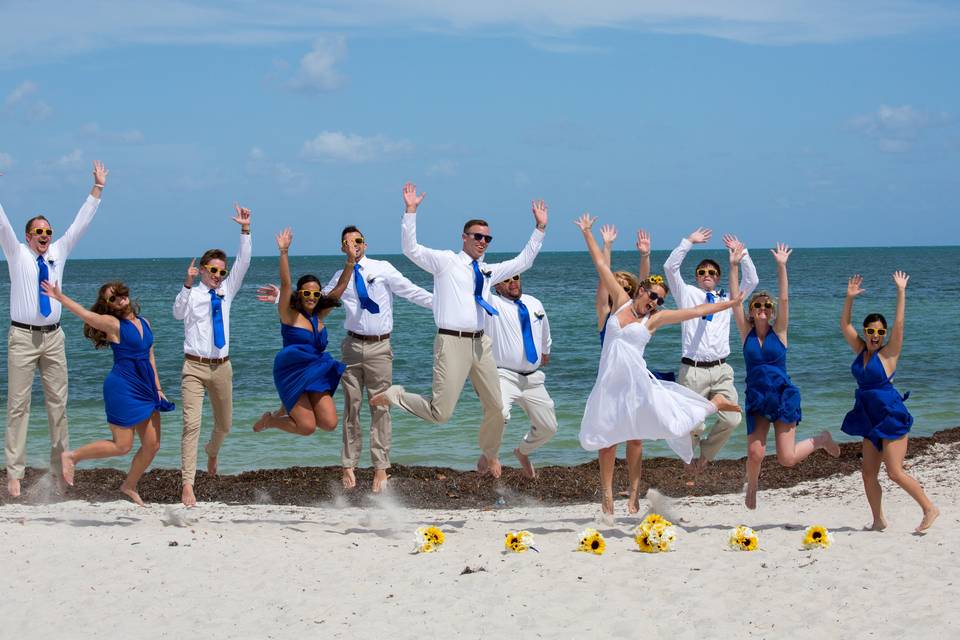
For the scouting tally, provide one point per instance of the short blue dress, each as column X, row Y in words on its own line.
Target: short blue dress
column 303, row 365
column 878, row 412
column 770, row 393
column 130, row 393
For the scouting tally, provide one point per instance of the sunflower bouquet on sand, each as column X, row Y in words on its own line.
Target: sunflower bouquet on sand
column 592, row 541
column 427, row 540
column 519, row 541
column 655, row 534
column 743, row 538
column 817, row 537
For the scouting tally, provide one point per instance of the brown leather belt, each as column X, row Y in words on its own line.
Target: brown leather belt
column 202, row 360
column 47, row 328
column 702, row 365
column 461, row 334
column 360, row 336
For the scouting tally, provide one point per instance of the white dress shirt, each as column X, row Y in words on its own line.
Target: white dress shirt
column 454, row 306
column 194, row 308
column 25, row 272
column 703, row 340
column 383, row 282
column 507, row 337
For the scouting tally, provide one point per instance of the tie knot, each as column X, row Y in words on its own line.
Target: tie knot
column 40, row 260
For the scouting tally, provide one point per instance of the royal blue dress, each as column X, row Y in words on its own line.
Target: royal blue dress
column 878, row 412
column 303, row 365
column 130, row 393
column 770, row 393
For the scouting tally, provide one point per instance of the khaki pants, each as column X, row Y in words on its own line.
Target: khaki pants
column 708, row 382
column 370, row 365
column 528, row 391
column 196, row 379
column 26, row 352
column 454, row 358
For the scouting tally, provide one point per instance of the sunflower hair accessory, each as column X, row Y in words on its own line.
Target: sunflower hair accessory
column 427, row 540
column 817, row 537
column 743, row 538
column 519, row 541
column 655, row 534
column 592, row 541
column 655, row 279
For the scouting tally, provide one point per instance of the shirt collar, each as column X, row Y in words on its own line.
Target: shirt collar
column 466, row 259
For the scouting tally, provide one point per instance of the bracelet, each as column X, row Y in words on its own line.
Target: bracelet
column 187, row 286
column 95, row 184
column 644, row 255
column 542, row 227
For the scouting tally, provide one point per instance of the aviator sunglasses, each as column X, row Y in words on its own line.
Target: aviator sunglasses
column 870, row 331
column 216, row 271
column 304, row 293
column 708, row 272
column 480, row 236
column 41, row 231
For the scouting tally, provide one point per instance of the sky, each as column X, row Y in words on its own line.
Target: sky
column 813, row 122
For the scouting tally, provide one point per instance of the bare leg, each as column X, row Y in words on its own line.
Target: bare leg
column 487, row 466
column 790, row 452
column 120, row 446
column 756, row 450
column 722, row 404
column 301, row 421
column 324, row 411
column 870, row 470
column 634, row 468
column 894, row 452
column 608, row 459
column 187, row 496
column 13, row 487
column 380, row 478
column 149, row 432
column 526, row 467
column 212, row 465
column 347, row 478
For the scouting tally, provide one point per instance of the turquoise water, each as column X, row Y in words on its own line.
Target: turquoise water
column 819, row 358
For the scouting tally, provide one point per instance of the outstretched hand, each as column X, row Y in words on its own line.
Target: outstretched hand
column 100, row 174
column 243, row 215
column 284, row 238
column 268, row 293
column 585, row 222
column 900, row 279
column 540, row 212
column 701, row 235
column 52, row 289
column 736, row 251
column 782, row 253
column 609, row 233
column 643, row 242
column 853, row 286
column 411, row 199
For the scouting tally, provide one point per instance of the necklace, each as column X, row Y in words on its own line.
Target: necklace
column 634, row 312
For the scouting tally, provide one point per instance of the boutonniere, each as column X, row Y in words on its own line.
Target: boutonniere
column 540, row 315
column 486, row 274
column 371, row 279
column 51, row 262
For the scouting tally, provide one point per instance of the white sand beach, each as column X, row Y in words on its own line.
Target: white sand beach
column 113, row 570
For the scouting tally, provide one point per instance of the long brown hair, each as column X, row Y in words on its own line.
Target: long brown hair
column 102, row 307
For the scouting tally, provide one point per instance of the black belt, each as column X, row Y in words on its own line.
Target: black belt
column 360, row 336
column 47, row 328
column 522, row 373
column 703, row 365
column 461, row 334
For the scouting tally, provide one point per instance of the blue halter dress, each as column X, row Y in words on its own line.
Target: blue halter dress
column 303, row 365
column 130, row 393
column 878, row 412
column 769, row 393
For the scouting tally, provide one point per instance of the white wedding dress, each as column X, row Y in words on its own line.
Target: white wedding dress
column 628, row 403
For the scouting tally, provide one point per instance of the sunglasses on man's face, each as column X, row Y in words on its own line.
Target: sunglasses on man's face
column 513, row 279
column 713, row 273
column 870, row 331
column 217, row 271
column 762, row 305
column 358, row 240
column 305, row 293
column 480, row 236
column 42, row 231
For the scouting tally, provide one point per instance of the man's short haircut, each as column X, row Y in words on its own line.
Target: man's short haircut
column 349, row 229
column 213, row 254
column 707, row 262
column 475, row 222
column 32, row 220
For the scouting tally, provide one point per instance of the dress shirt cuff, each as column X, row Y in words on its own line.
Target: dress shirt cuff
column 685, row 244
column 93, row 199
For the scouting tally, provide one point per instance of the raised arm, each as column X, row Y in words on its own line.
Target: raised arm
column 345, row 274
column 401, row 286
column 781, row 254
column 430, row 260
column 619, row 296
column 524, row 261
column 284, row 238
column 671, row 268
column 670, row 316
column 84, row 217
column 851, row 335
column 601, row 301
column 242, row 262
column 895, row 344
column 182, row 302
column 8, row 238
column 110, row 325
column 643, row 246
column 736, row 254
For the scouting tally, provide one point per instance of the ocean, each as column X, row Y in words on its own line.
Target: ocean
column 818, row 362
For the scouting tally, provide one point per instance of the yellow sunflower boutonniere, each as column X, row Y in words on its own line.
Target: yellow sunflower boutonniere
column 428, row 539
column 743, row 538
column 592, row 541
column 519, row 541
column 817, row 537
column 655, row 534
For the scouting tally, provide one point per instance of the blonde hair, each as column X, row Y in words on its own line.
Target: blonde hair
column 631, row 280
column 756, row 296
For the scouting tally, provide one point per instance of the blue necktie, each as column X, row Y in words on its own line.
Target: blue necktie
column 710, row 300
column 529, row 349
column 365, row 302
column 478, row 291
column 44, row 298
column 216, row 312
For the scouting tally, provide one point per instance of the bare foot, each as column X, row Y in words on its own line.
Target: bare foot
column 212, row 465
column 380, row 478
column 633, row 504
column 825, row 441
column 69, row 466
column 483, row 467
column 187, row 497
column 132, row 494
column 751, row 497
column 928, row 517
column 388, row 397
column 722, row 404
column 347, row 478
column 261, row 424
column 13, row 487
column 606, row 510
column 526, row 467
column 879, row 524
column 495, row 468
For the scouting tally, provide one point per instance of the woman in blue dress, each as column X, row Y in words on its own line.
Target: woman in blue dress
column 879, row 415
column 132, row 394
column 306, row 376
column 771, row 398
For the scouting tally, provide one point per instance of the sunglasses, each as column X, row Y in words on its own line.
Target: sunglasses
column 216, row 271
column 304, row 293
column 479, row 236
column 116, row 297
column 708, row 272
column 653, row 296
column 41, row 231
column 762, row 305
column 870, row 331
column 359, row 240
column 513, row 279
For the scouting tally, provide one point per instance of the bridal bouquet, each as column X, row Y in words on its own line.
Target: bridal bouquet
column 519, row 541
column 743, row 538
column 655, row 534
column 592, row 541
column 817, row 537
column 427, row 540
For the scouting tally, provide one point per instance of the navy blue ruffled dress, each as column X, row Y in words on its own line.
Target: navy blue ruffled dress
column 878, row 412
column 303, row 365
column 130, row 393
column 770, row 393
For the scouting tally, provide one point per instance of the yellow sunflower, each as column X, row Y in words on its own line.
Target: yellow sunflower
column 655, row 518
column 592, row 541
column 750, row 543
column 643, row 541
column 743, row 538
column 817, row 536
column 435, row 535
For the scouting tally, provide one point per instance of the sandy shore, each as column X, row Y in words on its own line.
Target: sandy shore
column 113, row 570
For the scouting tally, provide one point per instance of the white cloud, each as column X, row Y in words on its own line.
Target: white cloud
column 20, row 92
column 350, row 147
column 93, row 131
column 6, row 161
column 38, row 111
column 72, row 160
column 443, row 168
column 317, row 72
column 289, row 180
column 896, row 129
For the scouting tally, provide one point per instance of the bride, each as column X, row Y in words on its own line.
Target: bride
column 627, row 404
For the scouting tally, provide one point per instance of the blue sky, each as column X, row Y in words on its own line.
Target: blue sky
column 813, row 122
